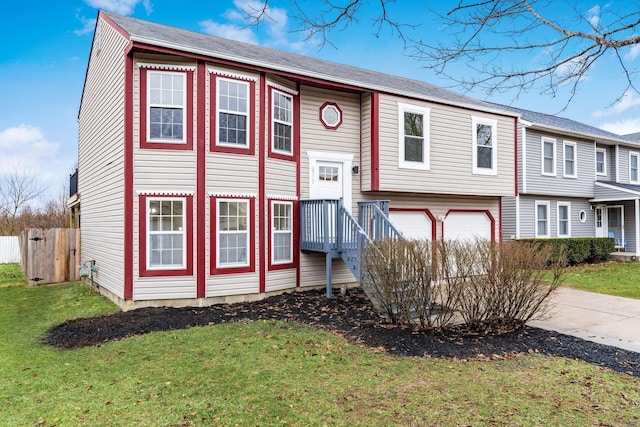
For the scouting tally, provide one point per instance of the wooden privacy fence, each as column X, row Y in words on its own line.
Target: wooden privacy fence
column 9, row 249
column 50, row 255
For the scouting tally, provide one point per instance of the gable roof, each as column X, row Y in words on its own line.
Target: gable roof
column 564, row 125
column 279, row 61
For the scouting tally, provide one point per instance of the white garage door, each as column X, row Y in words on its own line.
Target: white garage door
column 413, row 225
column 467, row 225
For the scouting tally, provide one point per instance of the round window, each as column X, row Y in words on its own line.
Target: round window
column 582, row 215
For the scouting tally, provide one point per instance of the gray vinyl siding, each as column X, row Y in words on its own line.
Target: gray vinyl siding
column 101, row 161
column 558, row 185
column 578, row 229
column 451, row 148
column 521, row 156
column 509, row 218
column 624, row 162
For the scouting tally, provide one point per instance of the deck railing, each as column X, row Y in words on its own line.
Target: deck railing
column 373, row 217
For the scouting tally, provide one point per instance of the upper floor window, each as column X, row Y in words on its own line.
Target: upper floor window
column 282, row 123
column 413, row 131
column 601, row 161
column 485, row 146
column 633, row 168
column 233, row 113
column 564, row 219
column 542, row 219
column 548, row 156
column 570, row 155
column 166, row 106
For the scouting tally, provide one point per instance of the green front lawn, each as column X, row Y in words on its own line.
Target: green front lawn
column 276, row 373
column 11, row 274
column 613, row 278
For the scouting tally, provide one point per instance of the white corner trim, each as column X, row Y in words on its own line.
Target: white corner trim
column 165, row 192
column 232, row 195
column 282, row 197
column 173, row 67
column 229, row 74
column 282, row 88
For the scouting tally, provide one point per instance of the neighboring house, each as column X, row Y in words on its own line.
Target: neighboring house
column 196, row 156
column 574, row 180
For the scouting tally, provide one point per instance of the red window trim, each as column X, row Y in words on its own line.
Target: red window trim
column 142, row 237
column 251, row 252
column 144, row 143
column 295, row 143
column 325, row 124
column 251, row 115
column 294, row 245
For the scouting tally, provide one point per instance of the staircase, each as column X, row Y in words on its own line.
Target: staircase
column 327, row 226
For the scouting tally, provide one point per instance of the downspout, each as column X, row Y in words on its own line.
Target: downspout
column 517, row 217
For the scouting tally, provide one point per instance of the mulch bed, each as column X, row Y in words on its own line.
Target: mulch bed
column 352, row 317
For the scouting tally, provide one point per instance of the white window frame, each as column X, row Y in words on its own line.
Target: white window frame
column 636, row 155
column 220, row 232
column 559, row 219
column 604, row 161
column 274, row 121
column 548, row 206
column 182, row 232
column 275, row 232
column 566, row 144
column 234, row 112
column 542, row 144
column 426, row 144
column 172, row 106
column 475, row 121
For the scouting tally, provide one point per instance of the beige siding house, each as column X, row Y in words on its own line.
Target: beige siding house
column 201, row 161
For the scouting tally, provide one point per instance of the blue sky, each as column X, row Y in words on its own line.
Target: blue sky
column 42, row 67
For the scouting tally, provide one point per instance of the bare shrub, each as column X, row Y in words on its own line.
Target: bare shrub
column 499, row 283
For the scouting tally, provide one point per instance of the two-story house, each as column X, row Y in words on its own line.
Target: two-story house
column 198, row 158
column 574, row 180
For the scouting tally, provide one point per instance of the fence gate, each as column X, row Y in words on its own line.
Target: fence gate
column 50, row 255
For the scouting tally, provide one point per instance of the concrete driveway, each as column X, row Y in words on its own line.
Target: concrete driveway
column 600, row 318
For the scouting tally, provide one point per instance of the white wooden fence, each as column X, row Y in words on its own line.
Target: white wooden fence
column 9, row 249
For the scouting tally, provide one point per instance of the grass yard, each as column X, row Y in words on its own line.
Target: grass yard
column 11, row 274
column 621, row 279
column 276, row 373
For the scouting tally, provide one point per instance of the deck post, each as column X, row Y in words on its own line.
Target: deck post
column 329, row 273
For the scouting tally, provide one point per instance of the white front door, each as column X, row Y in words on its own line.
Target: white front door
column 330, row 176
column 600, row 222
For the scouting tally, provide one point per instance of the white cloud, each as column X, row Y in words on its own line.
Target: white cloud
column 87, row 26
column 241, row 25
column 629, row 100
column 593, row 16
column 633, row 53
column 122, row 7
column 26, row 147
column 622, row 127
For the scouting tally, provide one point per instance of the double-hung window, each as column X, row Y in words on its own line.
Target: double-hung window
column 413, row 130
column 282, row 123
column 601, row 161
column 233, row 113
column 564, row 219
column 548, row 156
column 166, row 103
column 485, row 146
column 570, row 156
column 281, row 232
column 634, row 162
column 542, row 219
column 166, row 235
column 233, row 244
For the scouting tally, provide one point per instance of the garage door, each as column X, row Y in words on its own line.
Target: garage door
column 413, row 225
column 467, row 225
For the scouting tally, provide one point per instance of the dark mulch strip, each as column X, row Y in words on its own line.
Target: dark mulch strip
column 353, row 317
